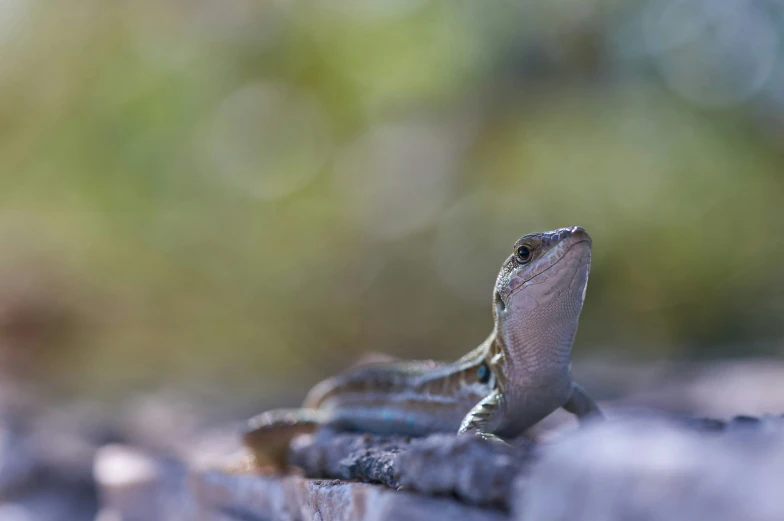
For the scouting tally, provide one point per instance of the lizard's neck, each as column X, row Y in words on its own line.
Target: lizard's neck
column 536, row 345
column 534, row 376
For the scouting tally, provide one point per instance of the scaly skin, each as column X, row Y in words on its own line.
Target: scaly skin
column 515, row 378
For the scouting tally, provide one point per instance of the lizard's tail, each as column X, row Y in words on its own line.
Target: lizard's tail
column 268, row 435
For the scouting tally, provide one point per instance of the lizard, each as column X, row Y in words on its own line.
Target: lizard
column 517, row 376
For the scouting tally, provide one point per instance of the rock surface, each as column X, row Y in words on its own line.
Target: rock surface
column 645, row 468
column 656, row 470
column 471, row 469
column 44, row 477
column 294, row 498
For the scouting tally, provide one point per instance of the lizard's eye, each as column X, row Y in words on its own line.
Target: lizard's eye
column 483, row 374
column 523, row 254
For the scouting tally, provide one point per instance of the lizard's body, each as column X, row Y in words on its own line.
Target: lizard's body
column 516, row 377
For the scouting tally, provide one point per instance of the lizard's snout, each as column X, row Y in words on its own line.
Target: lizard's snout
column 579, row 233
column 567, row 236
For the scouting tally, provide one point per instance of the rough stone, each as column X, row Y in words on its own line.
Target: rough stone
column 294, row 498
column 472, row 469
column 649, row 468
column 363, row 457
column 135, row 486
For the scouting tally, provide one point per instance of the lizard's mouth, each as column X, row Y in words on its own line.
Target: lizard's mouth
column 500, row 305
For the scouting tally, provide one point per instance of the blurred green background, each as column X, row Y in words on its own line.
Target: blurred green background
column 235, row 198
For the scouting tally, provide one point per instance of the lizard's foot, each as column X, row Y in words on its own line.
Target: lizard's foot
column 485, row 436
column 491, row 438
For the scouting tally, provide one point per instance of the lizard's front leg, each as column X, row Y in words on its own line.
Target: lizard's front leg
column 582, row 405
column 479, row 421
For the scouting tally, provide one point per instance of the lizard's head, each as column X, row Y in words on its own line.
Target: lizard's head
column 544, row 268
column 538, row 297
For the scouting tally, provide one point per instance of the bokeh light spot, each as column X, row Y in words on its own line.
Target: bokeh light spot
column 713, row 54
column 268, row 140
column 396, row 178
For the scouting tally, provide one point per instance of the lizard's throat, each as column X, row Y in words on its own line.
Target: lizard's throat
column 536, row 331
column 535, row 354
